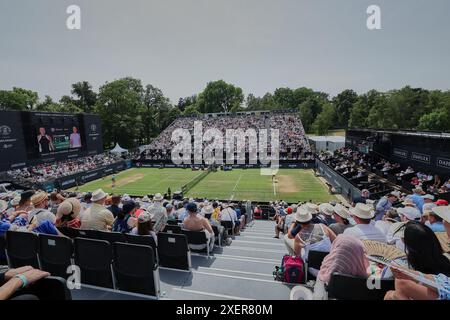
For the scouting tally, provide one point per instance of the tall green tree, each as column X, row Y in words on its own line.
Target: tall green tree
column 18, row 99
column 344, row 102
column 360, row 111
column 155, row 112
column 120, row 105
column 219, row 96
column 86, row 97
column 325, row 120
column 284, row 98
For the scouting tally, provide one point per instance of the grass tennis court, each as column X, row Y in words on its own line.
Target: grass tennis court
column 293, row 184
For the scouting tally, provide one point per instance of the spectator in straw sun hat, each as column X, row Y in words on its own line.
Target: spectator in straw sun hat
column 97, row 217
column 158, row 213
column 326, row 211
column 304, row 235
column 341, row 216
column 40, row 202
column 68, row 213
column 364, row 229
column 444, row 213
column 433, row 221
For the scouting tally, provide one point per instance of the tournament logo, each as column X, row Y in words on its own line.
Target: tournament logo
column 93, row 128
column 5, row 131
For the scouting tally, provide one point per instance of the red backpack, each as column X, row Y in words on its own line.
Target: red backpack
column 292, row 268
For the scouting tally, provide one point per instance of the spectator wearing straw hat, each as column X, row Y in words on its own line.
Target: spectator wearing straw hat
column 444, row 213
column 158, row 213
column 40, row 202
column 97, row 217
column 341, row 215
column 68, row 214
column 304, row 235
column 434, row 221
column 364, row 229
column 326, row 211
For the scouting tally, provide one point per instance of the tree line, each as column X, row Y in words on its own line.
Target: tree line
column 133, row 113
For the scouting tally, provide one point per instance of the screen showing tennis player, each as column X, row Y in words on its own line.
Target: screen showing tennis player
column 45, row 141
column 75, row 138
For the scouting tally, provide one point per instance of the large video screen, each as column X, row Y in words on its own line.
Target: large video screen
column 30, row 138
column 50, row 139
column 57, row 133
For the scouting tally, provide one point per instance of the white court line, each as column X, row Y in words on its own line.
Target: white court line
column 211, row 294
column 234, row 189
column 237, row 271
column 238, row 258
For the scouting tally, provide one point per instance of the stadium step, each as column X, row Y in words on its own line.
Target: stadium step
column 240, row 271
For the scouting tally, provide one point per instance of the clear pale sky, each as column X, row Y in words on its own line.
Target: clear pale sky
column 259, row 45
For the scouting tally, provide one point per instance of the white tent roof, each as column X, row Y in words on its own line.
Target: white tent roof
column 118, row 149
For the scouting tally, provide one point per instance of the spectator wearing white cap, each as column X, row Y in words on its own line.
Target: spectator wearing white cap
column 144, row 226
column 409, row 213
column 364, row 229
column 97, row 217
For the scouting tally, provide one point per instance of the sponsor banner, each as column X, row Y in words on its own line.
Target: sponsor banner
column 48, row 186
column 12, row 141
column 443, row 162
column 108, row 171
column 401, row 153
column 81, row 178
column 420, row 157
column 289, row 164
